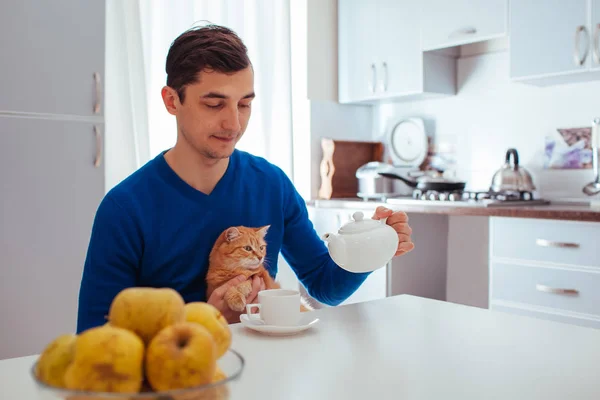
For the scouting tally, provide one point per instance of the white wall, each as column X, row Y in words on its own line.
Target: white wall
column 490, row 114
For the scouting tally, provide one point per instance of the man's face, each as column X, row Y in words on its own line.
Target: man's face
column 215, row 112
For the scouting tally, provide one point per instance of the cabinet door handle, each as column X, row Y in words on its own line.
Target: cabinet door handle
column 98, row 97
column 596, row 51
column 98, row 158
column 581, row 60
column 385, row 76
column 373, row 78
column 549, row 289
column 550, row 243
column 463, row 32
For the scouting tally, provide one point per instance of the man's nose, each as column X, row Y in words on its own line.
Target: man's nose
column 231, row 119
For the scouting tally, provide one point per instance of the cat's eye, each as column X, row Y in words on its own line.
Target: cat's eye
column 247, row 248
column 262, row 247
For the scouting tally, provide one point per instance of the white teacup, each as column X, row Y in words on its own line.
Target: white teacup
column 280, row 307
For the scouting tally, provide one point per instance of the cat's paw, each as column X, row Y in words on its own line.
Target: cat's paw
column 235, row 300
column 245, row 288
column 237, row 304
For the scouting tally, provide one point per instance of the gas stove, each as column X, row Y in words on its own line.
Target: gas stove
column 471, row 198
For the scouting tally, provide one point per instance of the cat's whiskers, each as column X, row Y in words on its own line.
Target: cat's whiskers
column 265, row 263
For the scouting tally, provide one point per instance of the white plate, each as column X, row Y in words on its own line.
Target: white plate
column 257, row 325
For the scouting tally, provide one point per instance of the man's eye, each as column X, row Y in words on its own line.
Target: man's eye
column 214, row 105
column 245, row 105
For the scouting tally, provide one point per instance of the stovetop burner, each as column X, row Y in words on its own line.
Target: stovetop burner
column 485, row 198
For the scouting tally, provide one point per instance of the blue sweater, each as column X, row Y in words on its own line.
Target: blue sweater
column 155, row 230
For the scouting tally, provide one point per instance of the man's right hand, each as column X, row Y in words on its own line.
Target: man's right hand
column 217, row 297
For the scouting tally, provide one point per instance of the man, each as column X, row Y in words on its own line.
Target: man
column 157, row 227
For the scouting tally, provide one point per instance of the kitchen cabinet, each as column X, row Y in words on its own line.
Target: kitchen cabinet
column 595, row 35
column 553, row 42
column 547, row 241
column 52, row 175
column 52, row 180
column 380, row 57
column 356, row 50
column 52, row 57
column 545, row 269
column 453, row 23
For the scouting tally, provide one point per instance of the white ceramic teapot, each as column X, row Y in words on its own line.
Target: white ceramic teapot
column 362, row 245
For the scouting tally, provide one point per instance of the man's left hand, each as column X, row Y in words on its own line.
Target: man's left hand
column 399, row 221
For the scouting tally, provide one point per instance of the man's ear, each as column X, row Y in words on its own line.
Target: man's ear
column 171, row 99
column 263, row 230
column 232, row 233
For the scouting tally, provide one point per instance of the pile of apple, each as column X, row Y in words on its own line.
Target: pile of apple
column 152, row 341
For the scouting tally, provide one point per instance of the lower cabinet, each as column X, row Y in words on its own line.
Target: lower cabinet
column 545, row 269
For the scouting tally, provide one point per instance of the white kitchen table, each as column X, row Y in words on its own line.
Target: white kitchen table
column 404, row 347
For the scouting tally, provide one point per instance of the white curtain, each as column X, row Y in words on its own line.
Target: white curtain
column 126, row 114
column 264, row 26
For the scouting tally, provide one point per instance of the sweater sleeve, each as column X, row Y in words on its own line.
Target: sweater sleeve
column 111, row 264
column 308, row 256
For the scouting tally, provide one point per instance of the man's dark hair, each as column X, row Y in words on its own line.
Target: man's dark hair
column 210, row 47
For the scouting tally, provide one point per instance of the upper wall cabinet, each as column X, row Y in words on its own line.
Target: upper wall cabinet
column 595, row 34
column 457, row 22
column 71, row 53
column 554, row 41
column 380, row 56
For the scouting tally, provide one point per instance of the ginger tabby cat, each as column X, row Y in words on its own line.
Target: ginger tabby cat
column 239, row 250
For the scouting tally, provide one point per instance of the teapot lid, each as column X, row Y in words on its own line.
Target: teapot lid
column 360, row 224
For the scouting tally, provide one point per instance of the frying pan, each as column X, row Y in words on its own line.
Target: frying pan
column 428, row 182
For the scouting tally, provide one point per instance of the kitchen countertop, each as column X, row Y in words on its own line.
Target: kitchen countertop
column 557, row 210
column 403, row 347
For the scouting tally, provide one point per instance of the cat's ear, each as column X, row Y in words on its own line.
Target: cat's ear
column 263, row 230
column 232, row 233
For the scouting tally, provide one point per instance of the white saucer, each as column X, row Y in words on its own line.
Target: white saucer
column 258, row 325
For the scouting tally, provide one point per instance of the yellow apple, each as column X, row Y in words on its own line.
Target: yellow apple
column 181, row 356
column 55, row 359
column 146, row 311
column 107, row 359
column 211, row 318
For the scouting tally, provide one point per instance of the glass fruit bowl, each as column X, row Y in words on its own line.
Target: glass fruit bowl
column 231, row 363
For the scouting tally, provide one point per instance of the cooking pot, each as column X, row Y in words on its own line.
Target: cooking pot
column 512, row 177
column 371, row 185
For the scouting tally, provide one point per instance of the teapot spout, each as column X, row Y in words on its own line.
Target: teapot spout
column 337, row 248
